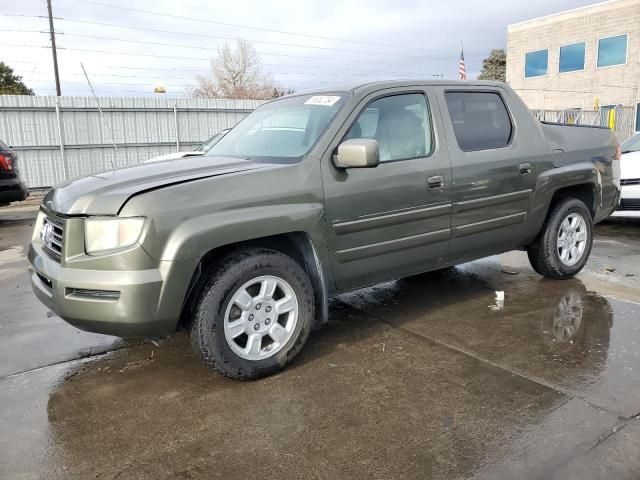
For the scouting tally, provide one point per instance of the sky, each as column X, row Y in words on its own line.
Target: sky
column 129, row 48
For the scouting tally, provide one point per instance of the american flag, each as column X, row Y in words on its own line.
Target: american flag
column 462, row 70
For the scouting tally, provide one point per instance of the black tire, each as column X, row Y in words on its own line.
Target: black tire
column 543, row 253
column 207, row 329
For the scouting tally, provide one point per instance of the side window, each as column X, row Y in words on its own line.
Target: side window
column 401, row 125
column 480, row 120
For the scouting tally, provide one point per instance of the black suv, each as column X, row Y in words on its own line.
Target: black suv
column 11, row 188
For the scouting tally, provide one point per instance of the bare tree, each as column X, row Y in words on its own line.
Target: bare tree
column 236, row 73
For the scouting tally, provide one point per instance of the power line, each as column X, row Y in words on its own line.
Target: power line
column 93, row 75
column 265, row 42
column 314, row 67
column 8, row 60
column 274, row 73
column 199, row 47
column 147, row 84
column 162, row 77
column 248, row 27
column 120, row 67
column 195, row 70
column 26, row 16
column 4, row 30
column 338, row 69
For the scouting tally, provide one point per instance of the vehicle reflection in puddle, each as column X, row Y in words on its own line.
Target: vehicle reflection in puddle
column 567, row 317
column 581, row 318
column 554, row 332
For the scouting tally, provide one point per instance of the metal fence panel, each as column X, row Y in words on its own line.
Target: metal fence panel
column 623, row 119
column 58, row 139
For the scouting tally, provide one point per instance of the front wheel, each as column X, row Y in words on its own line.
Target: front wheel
column 563, row 246
column 253, row 315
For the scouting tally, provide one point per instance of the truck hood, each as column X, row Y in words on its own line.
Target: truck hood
column 105, row 193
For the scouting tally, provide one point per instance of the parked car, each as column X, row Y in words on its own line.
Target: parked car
column 630, row 179
column 11, row 187
column 199, row 150
column 314, row 194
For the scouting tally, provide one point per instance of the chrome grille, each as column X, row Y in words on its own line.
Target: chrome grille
column 52, row 237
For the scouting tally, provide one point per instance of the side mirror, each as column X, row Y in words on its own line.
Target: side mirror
column 358, row 153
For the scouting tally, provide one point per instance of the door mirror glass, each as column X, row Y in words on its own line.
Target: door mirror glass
column 358, row 153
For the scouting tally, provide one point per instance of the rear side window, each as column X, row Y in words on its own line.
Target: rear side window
column 480, row 120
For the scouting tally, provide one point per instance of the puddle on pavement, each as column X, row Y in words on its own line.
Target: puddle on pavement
column 416, row 378
column 555, row 332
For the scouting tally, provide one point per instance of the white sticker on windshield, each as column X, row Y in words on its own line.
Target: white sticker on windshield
column 325, row 100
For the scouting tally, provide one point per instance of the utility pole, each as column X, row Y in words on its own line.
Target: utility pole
column 53, row 49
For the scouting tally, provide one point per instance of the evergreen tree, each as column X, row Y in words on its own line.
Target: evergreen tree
column 11, row 84
column 494, row 67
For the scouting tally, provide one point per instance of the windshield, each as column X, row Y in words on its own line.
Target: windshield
column 632, row 145
column 206, row 146
column 282, row 130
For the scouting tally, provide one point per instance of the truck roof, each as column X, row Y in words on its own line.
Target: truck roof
column 381, row 84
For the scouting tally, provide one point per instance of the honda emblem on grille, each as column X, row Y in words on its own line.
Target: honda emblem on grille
column 47, row 234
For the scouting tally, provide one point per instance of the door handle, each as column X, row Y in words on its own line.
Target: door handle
column 435, row 182
column 525, row 168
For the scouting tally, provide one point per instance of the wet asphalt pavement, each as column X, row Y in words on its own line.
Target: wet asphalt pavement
column 426, row 377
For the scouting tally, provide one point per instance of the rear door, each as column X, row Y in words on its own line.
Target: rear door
column 391, row 220
column 493, row 171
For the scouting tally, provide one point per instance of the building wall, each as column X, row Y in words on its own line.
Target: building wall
column 582, row 89
column 58, row 139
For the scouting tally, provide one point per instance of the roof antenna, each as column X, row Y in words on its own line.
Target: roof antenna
column 113, row 141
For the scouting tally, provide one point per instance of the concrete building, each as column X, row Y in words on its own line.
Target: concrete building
column 582, row 59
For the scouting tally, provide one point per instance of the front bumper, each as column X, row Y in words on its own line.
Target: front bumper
column 139, row 303
column 629, row 202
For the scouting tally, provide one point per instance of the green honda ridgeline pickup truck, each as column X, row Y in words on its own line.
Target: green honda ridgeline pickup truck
column 314, row 194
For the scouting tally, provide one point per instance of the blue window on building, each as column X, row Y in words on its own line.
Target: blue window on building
column 536, row 63
column 638, row 117
column 612, row 51
column 572, row 58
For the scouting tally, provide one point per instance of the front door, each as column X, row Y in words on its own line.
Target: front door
column 393, row 219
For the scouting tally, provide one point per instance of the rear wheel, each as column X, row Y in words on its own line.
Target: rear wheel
column 563, row 246
column 253, row 315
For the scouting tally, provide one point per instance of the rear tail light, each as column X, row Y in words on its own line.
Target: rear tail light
column 6, row 163
column 618, row 153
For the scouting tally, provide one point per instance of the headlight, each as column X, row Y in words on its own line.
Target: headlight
column 37, row 228
column 109, row 233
